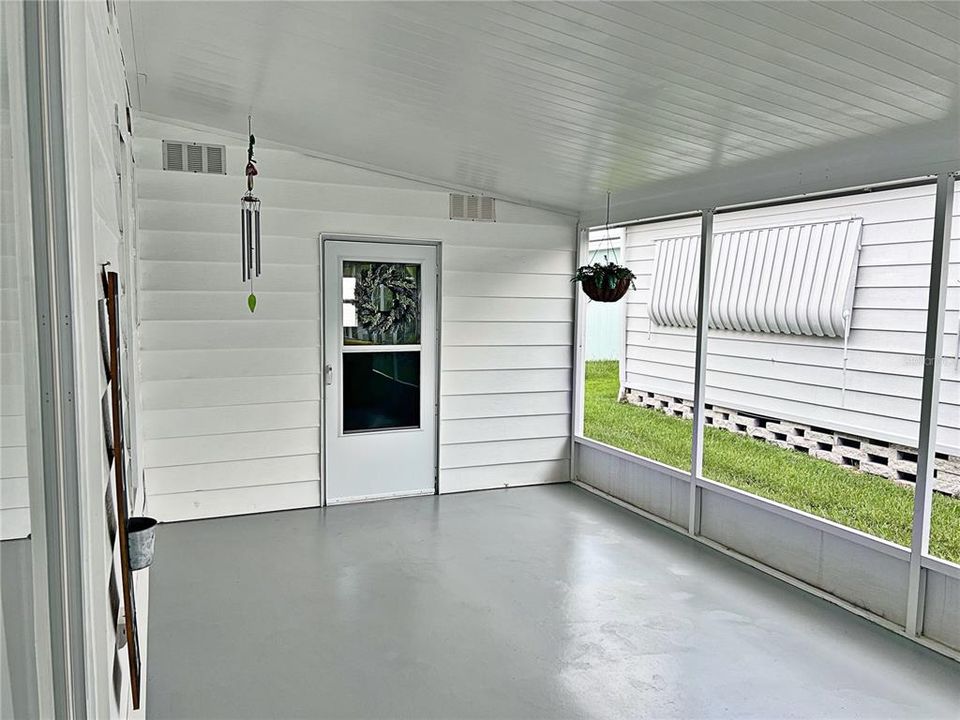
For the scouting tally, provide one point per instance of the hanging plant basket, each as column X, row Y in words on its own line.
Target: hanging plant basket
column 607, row 282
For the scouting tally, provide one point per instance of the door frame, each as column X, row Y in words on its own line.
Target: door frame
column 324, row 238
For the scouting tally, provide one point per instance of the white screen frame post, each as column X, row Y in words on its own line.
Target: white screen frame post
column 579, row 354
column 929, row 400
column 700, row 369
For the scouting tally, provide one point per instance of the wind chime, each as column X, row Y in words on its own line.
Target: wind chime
column 250, row 223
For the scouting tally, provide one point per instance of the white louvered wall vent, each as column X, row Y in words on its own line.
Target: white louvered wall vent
column 791, row 279
column 472, row 207
column 194, row 157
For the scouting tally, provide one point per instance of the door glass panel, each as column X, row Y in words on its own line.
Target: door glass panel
column 381, row 303
column 381, row 390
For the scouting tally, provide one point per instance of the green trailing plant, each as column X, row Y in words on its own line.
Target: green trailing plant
column 605, row 282
column 604, row 275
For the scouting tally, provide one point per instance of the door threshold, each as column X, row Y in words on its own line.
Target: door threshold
column 384, row 496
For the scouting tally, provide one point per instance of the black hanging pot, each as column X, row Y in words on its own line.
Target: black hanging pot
column 603, row 292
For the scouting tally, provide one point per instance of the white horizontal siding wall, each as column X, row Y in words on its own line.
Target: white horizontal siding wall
column 14, row 269
column 802, row 378
column 100, row 232
column 232, row 400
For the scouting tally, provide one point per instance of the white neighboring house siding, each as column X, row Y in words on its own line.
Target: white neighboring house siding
column 800, row 378
column 232, row 400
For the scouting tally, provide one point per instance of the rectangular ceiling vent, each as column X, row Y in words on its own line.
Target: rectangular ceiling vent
column 194, row 157
column 478, row 208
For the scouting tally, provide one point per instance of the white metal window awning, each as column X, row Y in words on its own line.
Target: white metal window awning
column 789, row 279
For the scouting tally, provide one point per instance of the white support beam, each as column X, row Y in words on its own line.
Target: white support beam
column 624, row 307
column 700, row 368
column 579, row 355
column 929, row 401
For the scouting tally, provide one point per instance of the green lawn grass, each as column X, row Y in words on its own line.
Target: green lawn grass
column 859, row 500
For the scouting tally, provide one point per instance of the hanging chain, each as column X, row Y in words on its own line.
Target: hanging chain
column 606, row 230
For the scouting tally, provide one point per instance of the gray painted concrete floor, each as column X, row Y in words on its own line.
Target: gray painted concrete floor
column 541, row 602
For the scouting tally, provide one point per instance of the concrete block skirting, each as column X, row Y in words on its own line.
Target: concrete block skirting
column 897, row 463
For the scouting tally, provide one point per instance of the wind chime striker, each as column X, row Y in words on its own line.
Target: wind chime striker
column 250, row 224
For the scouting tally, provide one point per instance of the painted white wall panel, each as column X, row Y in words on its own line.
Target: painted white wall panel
column 862, row 576
column 509, row 285
column 484, row 382
column 225, row 391
column 196, row 449
column 185, row 479
column 502, row 309
column 229, row 362
column 214, row 247
column 526, row 473
column 236, row 500
column 508, row 260
column 207, row 217
column 506, row 333
column 480, row 430
column 221, row 334
column 223, row 276
column 199, row 305
column 463, row 455
column 504, row 404
column 508, row 358
column 15, row 279
column 941, row 608
column 233, row 400
column 188, row 422
column 660, row 492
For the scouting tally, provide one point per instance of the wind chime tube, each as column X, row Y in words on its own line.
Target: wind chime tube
column 243, row 241
column 257, row 236
column 249, row 224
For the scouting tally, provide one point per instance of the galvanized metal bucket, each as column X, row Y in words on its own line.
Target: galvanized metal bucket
column 141, row 538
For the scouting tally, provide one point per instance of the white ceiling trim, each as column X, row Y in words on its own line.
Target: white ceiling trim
column 907, row 158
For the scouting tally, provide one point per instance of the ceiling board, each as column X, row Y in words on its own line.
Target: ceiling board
column 555, row 103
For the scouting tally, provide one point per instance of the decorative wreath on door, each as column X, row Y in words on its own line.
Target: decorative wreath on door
column 375, row 311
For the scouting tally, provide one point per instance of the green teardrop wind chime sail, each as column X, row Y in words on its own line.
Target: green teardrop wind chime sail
column 250, row 223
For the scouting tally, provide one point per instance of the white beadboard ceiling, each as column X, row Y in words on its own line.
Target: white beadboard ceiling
column 665, row 104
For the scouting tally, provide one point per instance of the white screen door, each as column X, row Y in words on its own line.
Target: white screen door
column 380, row 374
